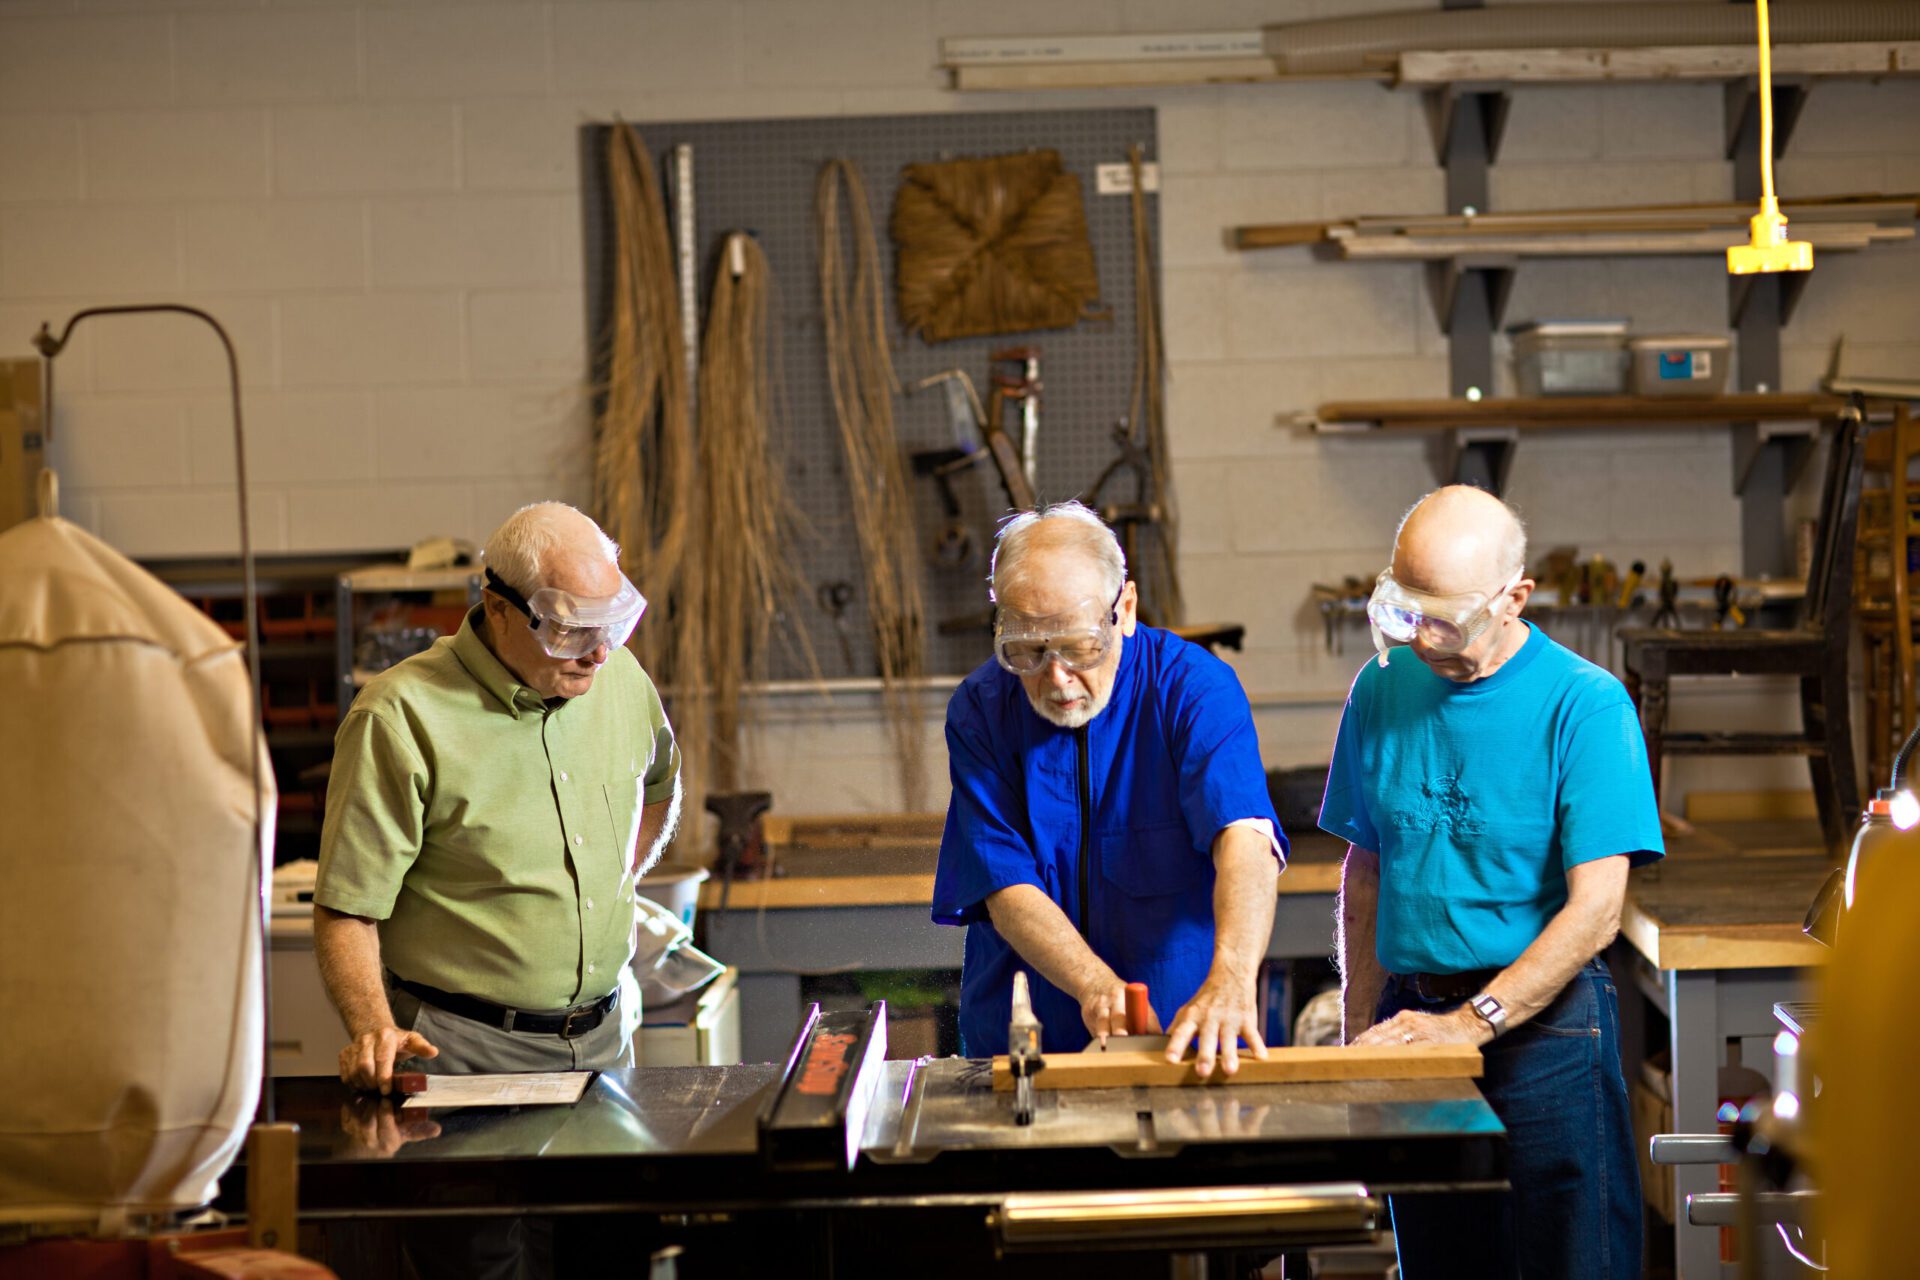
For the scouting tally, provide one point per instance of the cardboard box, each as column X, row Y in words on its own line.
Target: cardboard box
column 1652, row 1114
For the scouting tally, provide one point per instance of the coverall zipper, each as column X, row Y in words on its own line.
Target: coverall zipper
column 1086, row 820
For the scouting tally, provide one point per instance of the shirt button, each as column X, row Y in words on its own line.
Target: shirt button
column 563, row 775
column 589, row 904
column 576, row 840
column 589, row 968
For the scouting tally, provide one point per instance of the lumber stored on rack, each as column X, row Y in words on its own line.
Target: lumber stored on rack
column 1869, row 215
column 1121, row 1068
column 1023, row 77
column 1832, row 237
column 1685, row 62
column 1550, row 412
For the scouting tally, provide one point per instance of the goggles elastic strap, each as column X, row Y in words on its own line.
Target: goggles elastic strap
column 499, row 587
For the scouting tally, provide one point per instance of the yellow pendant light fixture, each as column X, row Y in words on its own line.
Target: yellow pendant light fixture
column 1768, row 249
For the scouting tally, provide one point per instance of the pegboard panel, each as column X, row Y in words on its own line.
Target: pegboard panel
column 759, row 176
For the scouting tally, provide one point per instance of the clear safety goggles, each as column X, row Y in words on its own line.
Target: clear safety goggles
column 570, row 626
column 1079, row 638
column 1445, row 624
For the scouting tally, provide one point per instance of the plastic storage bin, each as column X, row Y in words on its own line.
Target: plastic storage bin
column 1570, row 358
column 1680, row 364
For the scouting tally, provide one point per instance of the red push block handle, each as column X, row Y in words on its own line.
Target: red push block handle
column 1139, row 1012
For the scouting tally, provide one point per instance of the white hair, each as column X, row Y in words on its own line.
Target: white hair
column 1089, row 534
column 1512, row 550
column 517, row 551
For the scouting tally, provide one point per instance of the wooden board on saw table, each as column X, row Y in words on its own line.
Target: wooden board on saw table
column 1120, row 1069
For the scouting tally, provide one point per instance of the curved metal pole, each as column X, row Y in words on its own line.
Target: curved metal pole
column 50, row 347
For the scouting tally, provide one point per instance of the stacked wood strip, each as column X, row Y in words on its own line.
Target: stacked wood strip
column 1833, row 223
column 1425, row 68
column 1580, row 412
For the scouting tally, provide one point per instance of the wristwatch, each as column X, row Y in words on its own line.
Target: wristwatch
column 1491, row 1011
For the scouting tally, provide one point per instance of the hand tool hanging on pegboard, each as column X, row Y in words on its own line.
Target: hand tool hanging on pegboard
column 1022, row 387
column 954, row 546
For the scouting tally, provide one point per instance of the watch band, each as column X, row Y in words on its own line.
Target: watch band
column 1491, row 1011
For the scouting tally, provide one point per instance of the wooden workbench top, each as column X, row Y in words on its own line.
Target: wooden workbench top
column 902, row 875
column 1725, row 911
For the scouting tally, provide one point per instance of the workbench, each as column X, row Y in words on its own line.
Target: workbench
column 1711, row 938
column 867, row 907
column 652, row 1156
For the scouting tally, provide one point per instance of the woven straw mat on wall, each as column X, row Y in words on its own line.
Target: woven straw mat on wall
column 994, row 244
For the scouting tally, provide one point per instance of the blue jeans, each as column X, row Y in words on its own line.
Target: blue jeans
column 1574, row 1210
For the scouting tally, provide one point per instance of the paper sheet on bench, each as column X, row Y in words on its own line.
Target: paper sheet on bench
column 525, row 1089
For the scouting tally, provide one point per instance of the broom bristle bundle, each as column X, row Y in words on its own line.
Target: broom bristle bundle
column 860, row 372
column 988, row 245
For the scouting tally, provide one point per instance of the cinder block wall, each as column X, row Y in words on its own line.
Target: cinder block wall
column 381, row 201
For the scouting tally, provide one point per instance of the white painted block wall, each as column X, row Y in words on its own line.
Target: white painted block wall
column 381, row 201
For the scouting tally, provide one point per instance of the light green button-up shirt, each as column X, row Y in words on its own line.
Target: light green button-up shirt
column 492, row 835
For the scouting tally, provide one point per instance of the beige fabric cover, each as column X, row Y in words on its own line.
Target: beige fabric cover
column 130, row 1007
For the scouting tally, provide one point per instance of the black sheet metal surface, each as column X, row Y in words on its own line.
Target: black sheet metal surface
column 684, row 1139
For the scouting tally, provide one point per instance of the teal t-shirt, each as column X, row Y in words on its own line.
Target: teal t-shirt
column 1479, row 796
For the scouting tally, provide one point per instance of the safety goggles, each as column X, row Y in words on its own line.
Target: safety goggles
column 1079, row 638
column 1444, row 624
column 570, row 626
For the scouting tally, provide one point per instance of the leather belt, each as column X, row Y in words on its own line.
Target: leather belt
column 567, row 1024
column 1449, row 986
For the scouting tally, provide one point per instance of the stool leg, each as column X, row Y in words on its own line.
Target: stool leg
column 1649, row 694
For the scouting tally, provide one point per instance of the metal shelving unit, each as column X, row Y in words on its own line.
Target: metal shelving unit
column 391, row 581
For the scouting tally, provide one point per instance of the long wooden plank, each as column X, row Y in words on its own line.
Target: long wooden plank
column 1861, row 208
column 1831, row 237
column 1420, row 68
column 1120, row 1069
column 1127, row 75
column 820, row 891
column 1865, row 208
column 851, row 830
column 1582, row 411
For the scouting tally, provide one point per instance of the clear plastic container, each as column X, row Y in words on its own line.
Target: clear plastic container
column 1570, row 358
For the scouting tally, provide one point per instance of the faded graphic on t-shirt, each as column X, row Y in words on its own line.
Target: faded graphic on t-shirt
column 1442, row 806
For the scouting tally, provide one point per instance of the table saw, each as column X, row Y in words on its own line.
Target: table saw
column 929, row 1164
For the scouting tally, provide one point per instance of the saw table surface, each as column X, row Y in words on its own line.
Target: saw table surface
column 669, row 1139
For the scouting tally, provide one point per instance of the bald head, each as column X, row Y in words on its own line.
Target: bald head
column 1459, row 539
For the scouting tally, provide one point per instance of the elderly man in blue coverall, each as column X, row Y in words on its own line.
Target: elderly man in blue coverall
column 1494, row 790
column 1110, row 820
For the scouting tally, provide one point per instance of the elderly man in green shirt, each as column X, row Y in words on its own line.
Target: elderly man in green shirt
column 491, row 804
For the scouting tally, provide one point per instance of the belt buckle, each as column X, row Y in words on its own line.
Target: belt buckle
column 566, row 1027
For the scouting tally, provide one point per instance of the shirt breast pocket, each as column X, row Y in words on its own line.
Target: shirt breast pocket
column 623, row 816
column 1152, row 862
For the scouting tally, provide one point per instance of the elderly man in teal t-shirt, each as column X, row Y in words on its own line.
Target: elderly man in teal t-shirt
column 1494, row 790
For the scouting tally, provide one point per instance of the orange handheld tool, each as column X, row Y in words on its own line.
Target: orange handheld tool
column 1139, row 1012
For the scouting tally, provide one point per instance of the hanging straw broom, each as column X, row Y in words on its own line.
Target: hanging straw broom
column 644, row 491
column 748, row 574
column 861, row 374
